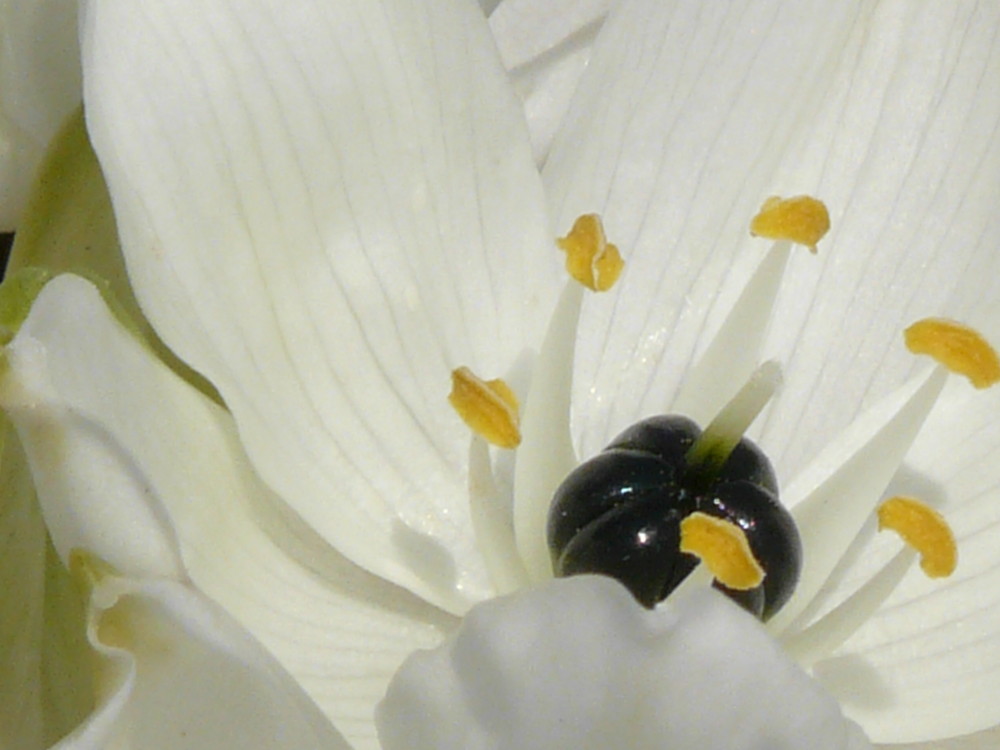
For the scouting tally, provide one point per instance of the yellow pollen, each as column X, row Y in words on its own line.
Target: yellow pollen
column 488, row 407
column 924, row 529
column 802, row 219
column 959, row 348
column 724, row 548
column 590, row 258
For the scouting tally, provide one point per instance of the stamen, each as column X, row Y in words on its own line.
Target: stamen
column 823, row 636
column 832, row 498
column 802, row 219
column 488, row 407
column 547, row 455
column 724, row 549
column 492, row 523
column 956, row 346
column 924, row 529
column 590, row 258
column 735, row 351
column 710, row 451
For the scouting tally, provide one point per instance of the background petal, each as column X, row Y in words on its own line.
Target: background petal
column 176, row 672
column 676, row 132
column 577, row 663
column 545, row 47
column 39, row 87
column 906, row 150
column 324, row 210
column 174, row 456
column 68, row 226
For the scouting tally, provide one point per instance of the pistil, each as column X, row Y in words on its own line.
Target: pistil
column 710, row 451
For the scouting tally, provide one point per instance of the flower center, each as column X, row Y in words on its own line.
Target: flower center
column 665, row 495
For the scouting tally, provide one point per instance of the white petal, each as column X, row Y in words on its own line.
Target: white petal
column 39, row 87
column 905, row 148
column 324, row 211
column 339, row 630
column 174, row 671
column 578, row 663
column 838, row 492
column 690, row 115
column 526, row 30
column 931, row 657
column 674, row 137
column 70, row 454
column 546, row 46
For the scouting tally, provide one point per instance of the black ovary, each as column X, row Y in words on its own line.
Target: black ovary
column 619, row 514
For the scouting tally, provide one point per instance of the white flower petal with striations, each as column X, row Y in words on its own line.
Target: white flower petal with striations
column 175, row 671
column 687, row 117
column 326, row 208
column 77, row 385
column 545, row 46
column 324, row 211
column 930, row 654
column 575, row 663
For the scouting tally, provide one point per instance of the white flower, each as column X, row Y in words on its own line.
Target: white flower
column 327, row 207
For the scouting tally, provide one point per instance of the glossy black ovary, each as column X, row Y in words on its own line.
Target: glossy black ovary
column 619, row 514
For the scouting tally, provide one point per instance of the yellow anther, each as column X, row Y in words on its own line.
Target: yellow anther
column 924, row 529
column 959, row 348
column 590, row 258
column 802, row 219
column 724, row 548
column 489, row 407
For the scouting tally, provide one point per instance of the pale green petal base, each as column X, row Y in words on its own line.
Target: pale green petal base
column 69, row 227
